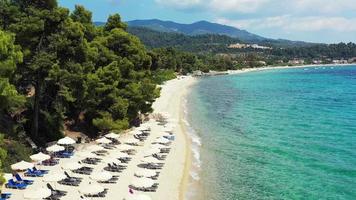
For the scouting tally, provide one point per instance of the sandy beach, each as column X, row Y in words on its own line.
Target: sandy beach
column 174, row 175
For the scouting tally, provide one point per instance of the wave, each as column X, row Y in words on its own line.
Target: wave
column 195, row 148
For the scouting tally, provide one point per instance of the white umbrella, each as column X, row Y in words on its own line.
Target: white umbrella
column 40, row 157
column 55, row 148
column 125, row 147
column 112, row 135
column 132, row 141
column 158, row 146
column 111, row 160
column 95, row 148
column 23, row 165
column 150, row 159
column 163, row 140
column 38, row 193
column 121, row 155
column 152, row 151
column 85, row 154
column 66, row 141
column 143, row 182
column 8, row 176
column 71, row 166
column 103, row 141
column 91, row 189
column 138, row 197
column 145, row 173
column 101, row 176
column 54, row 177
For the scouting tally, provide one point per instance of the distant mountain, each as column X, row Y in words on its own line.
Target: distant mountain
column 208, row 28
column 197, row 28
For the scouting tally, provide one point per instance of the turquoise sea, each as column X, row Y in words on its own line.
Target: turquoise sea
column 276, row 134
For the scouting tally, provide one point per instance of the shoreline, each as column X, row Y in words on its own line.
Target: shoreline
column 176, row 174
column 245, row 70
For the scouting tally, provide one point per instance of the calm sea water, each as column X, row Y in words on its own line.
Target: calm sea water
column 277, row 134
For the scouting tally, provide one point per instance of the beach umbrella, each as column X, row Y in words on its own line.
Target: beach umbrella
column 85, row 154
column 54, row 177
column 8, row 176
column 163, row 140
column 95, row 148
column 145, row 173
column 66, row 141
column 158, row 146
column 138, row 197
column 91, row 189
column 152, row 151
column 112, row 135
column 55, row 148
column 111, row 160
column 103, row 141
column 150, row 159
column 23, row 165
column 125, row 147
column 39, row 157
column 121, row 155
column 38, row 193
column 132, row 141
column 101, row 176
column 142, row 182
column 71, row 166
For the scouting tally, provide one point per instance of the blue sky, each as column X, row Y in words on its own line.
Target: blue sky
column 327, row 21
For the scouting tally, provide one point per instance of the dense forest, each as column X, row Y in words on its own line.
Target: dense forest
column 218, row 44
column 58, row 70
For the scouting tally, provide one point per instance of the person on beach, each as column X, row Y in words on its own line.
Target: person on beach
column 131, row 191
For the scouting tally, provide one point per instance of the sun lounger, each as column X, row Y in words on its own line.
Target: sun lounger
column 56, row 193
column 19, row 179
column 50, row 162
column 12, row 184
column 71, row 177
column 33, row 173
column 70, row 181
column 150, row 166
column 5, row 195
column 34, row 169
column 100, row 194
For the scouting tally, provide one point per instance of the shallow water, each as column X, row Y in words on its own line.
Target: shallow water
column 277, row 134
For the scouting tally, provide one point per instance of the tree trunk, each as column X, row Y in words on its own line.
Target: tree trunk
column 36, row 110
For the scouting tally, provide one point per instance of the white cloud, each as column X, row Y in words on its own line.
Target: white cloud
column 243, row 6
column 324, row 6
column 289, row 23
column 180, row 3
column 275, row 6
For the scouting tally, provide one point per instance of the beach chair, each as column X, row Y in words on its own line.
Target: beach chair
column 33, row 173
column 19, row 179
column 5, row 195
column 12, row 184
column 56, row 193
column 34, row 169
column 50, row 162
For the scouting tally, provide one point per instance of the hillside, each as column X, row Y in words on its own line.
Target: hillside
column 155, row 39
column 197, row 28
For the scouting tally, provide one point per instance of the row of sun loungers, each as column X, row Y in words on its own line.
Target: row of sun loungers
column 149, row 189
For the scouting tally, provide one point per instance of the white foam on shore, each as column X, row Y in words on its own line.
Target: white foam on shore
column 195, row 148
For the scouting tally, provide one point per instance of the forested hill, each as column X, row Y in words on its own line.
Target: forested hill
column 198, row 43
column 197, row 28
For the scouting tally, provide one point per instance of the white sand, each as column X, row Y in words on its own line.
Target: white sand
column 173, row 177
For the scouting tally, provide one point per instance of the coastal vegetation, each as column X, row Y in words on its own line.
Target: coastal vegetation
column 59, row 71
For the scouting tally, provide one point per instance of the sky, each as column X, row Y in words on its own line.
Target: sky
column 326, row 21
